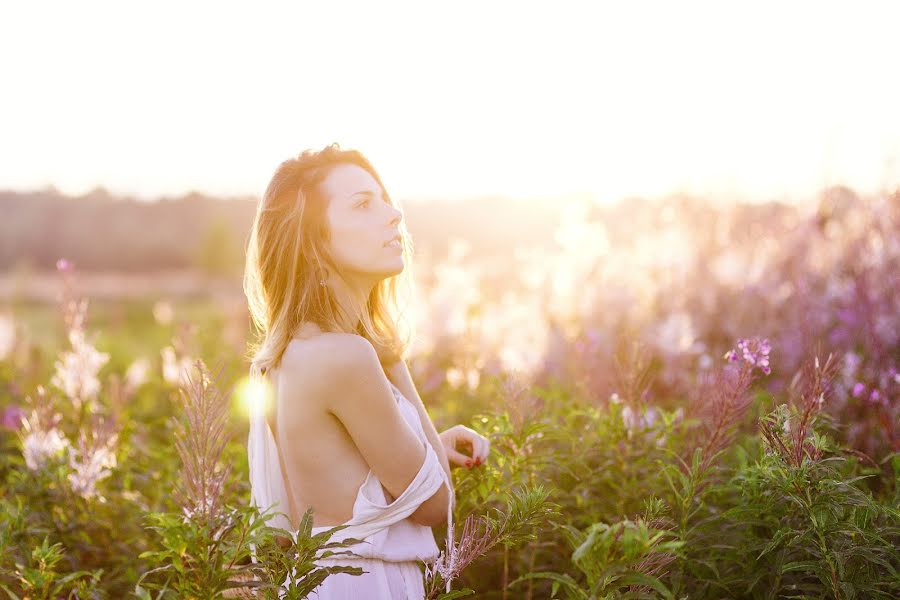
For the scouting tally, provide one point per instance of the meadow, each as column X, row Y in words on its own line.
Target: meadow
column 683, row 400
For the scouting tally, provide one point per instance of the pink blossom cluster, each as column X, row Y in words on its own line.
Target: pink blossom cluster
column 753, row 351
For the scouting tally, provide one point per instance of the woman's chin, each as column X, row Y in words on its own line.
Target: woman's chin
column 393, row 269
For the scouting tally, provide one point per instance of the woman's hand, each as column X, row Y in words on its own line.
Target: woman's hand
column 460, row 437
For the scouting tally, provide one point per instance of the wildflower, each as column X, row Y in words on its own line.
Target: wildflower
column 40, row 442
column 90, row 463
column 175, row 370
column 12, row 417
column 163, row 312
column 851, row 364
column 858, row 389
column 63, row 265
column 874, row 396
column 476, row 539
column 455, row 377
column 753, row 351
column 137, row 372
column 76, row 372
column 200, row 443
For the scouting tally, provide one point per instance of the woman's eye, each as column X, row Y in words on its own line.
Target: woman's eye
column 366, row 202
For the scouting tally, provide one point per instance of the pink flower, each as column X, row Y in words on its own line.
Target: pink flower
column 858, row 389
column 12, row 417
column 753, row 351
column 63, row 265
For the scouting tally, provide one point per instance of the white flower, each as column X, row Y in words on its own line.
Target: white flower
column 90, row 466
column 175, row 371
column 76, row 372
column 163, row 312
column 136, row 375
column 38, row 446
column 455, row 377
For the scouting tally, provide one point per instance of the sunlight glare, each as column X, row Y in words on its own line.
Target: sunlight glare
column 255, row 395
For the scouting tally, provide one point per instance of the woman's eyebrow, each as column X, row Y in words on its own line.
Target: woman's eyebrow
column 365, row 192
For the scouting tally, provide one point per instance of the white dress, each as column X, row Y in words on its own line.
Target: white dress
column 393, row 547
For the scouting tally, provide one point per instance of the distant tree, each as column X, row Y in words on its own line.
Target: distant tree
column 219, row 251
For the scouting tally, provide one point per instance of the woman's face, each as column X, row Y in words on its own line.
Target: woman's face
column 362, row 224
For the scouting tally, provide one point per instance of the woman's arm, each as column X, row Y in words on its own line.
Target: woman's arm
column 399, row 374
column 349, row 383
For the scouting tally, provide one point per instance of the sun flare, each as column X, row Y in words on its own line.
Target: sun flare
column 254, row 395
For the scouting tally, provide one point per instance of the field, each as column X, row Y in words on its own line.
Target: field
column 683, row 401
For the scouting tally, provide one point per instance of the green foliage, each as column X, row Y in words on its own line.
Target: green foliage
column 579, row 498
column 203, row 559
column 39, row 579
column 614, row 559
column 812, row 528
column 510, row 527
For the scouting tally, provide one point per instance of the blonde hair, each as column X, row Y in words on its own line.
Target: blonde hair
column 286, row 257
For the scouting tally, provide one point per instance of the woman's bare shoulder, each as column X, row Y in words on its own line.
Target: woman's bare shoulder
column 321, row 357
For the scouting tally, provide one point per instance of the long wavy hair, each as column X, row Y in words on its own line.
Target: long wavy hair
column 286, row 256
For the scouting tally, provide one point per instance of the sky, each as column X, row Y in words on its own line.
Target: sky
column 531, row 100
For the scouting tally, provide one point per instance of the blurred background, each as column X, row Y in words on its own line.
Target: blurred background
column 566, row 174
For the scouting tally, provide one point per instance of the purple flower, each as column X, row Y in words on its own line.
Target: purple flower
column 848, row 316
column 874, row 396
column 63, row 265
column 12, row 417
column 858, row 389
column 753, row 351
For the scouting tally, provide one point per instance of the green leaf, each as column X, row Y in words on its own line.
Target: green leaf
column 636, row 578
column 571, row 584
column 9, row 593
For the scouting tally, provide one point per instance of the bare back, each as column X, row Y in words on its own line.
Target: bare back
column 322, row 465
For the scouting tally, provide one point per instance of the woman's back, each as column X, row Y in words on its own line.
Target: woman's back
column 322, row 465
column 394, row 544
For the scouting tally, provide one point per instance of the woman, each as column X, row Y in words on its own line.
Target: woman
column 347, row 434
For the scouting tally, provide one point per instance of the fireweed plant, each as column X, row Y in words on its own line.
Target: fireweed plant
column 681, row 471
column 687, row 525
column 208, row 545
column 66, row 525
